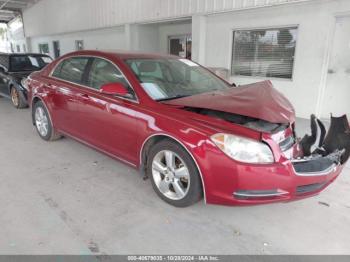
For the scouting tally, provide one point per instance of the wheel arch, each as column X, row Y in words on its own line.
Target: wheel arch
column 154, row 139
column 35, row 100
column 10, row 86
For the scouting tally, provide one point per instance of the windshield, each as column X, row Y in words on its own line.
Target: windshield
column 28, row 62
column 166, row 79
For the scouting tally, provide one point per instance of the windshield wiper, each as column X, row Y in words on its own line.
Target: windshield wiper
column 171, row 98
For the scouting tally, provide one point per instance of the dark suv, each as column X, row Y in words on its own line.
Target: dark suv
column 14, row 68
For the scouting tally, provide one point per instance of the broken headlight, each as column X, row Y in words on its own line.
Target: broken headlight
column 243, row 149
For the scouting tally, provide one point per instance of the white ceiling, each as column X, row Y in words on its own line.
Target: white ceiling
column 11, row 8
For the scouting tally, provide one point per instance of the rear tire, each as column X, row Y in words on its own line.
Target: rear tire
column 179, row 183
column 17, row 98
column 43, row 122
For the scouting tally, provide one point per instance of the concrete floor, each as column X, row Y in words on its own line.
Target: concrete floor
column 65, row 198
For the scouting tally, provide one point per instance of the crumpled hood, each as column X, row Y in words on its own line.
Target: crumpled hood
column 259, row 100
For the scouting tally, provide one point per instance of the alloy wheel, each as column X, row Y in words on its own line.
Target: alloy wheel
column 14, row 96
column 41, row 121
column 171, row 175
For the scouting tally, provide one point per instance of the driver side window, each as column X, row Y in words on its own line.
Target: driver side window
column 103, row 72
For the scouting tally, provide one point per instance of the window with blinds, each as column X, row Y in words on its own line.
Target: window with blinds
column 264, row 53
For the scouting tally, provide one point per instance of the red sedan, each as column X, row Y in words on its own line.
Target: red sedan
column 191, row 133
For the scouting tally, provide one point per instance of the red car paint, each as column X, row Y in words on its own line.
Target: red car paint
column 120, row 128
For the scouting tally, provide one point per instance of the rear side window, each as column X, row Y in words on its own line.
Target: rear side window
column 72, row 69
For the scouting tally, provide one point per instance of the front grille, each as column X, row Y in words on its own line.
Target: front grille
column 317, row 166
column 309, row 188
column 287, row 143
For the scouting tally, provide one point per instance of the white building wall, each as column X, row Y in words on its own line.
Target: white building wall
column 145, row 38
column 315, row 21
column 53, row 17
column 148, row 38
column 199, row 38
column 154, row 37
column 167, row 30
column 106, row 39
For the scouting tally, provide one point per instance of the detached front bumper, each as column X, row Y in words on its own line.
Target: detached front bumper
column 302, row 179
column 279, row 182
column 294, row 175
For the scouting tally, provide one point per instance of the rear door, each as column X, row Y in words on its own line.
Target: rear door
column 108, row 122
column 65, row 85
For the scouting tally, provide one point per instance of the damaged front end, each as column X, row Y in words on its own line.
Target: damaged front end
column 246, row 121
column 324, row 151
column 318, row 154
column 299, row 168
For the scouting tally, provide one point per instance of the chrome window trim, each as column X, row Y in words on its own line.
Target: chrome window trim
column 182, row 144
column 136, row 100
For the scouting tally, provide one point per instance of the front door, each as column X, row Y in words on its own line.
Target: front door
column 107, row 122
column 337, row 93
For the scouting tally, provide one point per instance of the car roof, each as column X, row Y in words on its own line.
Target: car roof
column 121, row 54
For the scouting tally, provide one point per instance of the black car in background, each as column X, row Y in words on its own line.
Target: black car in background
column 14, row 68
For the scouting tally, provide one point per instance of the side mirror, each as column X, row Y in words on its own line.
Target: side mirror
column 233, row 84
column 115, row 89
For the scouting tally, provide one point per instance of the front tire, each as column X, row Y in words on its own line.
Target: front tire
column 43, row 122
column 17, row 98
column 174, row 175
